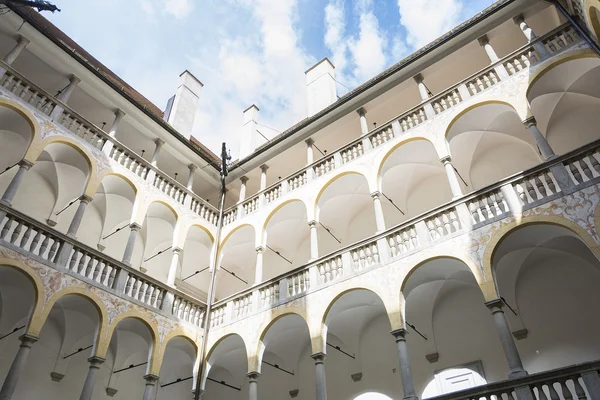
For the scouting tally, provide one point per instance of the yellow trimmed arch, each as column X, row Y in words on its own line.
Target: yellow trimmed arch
column 153, row 360
column 178, row 333
column 38, row 288
column 36, row 130
column 108, row 172
column 592, row 8
column 474, row 106
column 145, row 211
column 333, row 179
column 202, row 227
column 39, row 322
column 505, row 230
column 279, row 207
column 230, row 233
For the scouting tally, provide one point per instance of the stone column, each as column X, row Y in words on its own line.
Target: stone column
column 424, row 92
column 540, row 140
column 244, row 180
column 258, row 272
column 76, row 221
column 174, row 266
column 65, row 95
column 90, row 380
column 263, row 176
column 310, row 158
column 452, row 179
column 130, row 243
column 508, row 344
column 12, row 55
column 321, row 381
column 314, row 242
column 150, row 389
column 13, row 186
column 379, row 219
column 407, row 381
column 539, row 47
column 253, row 385
column 159, row 144
column 16, row 369
column 190, row 180
column 112, row 132
column 491, row 53
column 364, row 126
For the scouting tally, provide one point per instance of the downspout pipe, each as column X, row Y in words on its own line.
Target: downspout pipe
column 213, row 267
column 582, row 31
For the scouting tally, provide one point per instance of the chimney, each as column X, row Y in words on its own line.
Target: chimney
column 181, row 108
column 249, row 135
column 320, row 86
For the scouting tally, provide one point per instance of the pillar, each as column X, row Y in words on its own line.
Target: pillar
column 452, row 179
column 112, row 132
column 174, row 266
column 407, row 381
column 159, row 144
column 76, row 221
column 540, row 140
column 539, row 47
column 314, row 242
column 130, row 244
column 321, row 381
column 65, row 95
column 16, row 369
column 424, row 92
column 379, row 219
column 310, row 157
column 491, row 53
column 244, row 181
column 508, row 343
column 13, row 186
column 150, row 389
column 12, row 55
column 90, row 380
column 263, row 176
column 258, row 272
column 190, row 180
column 364, row 126
column 253, row 385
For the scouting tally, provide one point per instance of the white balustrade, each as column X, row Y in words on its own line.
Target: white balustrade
column 217, row 316
column 412, row 119
column 144, row 291
column 242, row 306
column 584, row 168
column 403, row 241
column 487, row 206
column 330, row 269
column 250, row 205
column 204, row 210
column 381, row 136
column 365, row 257
column 188, row 311
column 446, row 101
column 483, row 81
column 537, row 187
column 561, row 39
column 521, row 61
column 297, row 180
column 443, row 224
column 29, row 237
column 298, row 283
column 352, row 152
column 273, row 193
column 269, row 295
column 324, row 166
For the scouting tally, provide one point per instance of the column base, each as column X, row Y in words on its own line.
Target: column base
column 517, row 374
column 410, row 398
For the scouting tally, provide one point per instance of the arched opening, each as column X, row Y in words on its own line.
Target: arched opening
column 177, row 369
column 127, row 359
column 360, row 347
column 550, row 277
column 287, row 240
column 565, row 101
column 194, row 276
column 489, row 143
column 105, row 224
column 60, row 355
column 372, row 396
column 238, row 263
column 57, row 178
column 454, row 379
column 157, row 238
column 414, row 179
column 16, row 135
column 286, row 364
column 345, row 213
column 227, row 366
column 452, row 327
column 595, row 18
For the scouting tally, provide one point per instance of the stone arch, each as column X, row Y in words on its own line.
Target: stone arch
column 153, row 360
column 231, row 232
column 332, row 180
column 200, row 226
column 593, row 16
column 276, row 209
column 38, row 288
column 180, row 334
column 81, row 292
column 209, row 361
column 30, row 120
column 505, row 230
column 395, row 147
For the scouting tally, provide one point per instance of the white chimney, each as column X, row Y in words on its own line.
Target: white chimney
column 249, row 136
column 320, row 86
column 181, row 109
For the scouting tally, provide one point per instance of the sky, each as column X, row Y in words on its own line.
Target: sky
column 252, row 51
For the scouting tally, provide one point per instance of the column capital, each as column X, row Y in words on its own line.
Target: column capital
column 177, row 250
column 119, row 113
column 319, row 358
column 192, row 167
column 264, row 167
column 518, row 19
column 27, row 339
column 260, row 249
column 495, row 305
column 25, row 164
column 361, row 111
column 151, row 379
column 85, row 199
column 399, row 334
column 253, row 376
column 309, row 142
column 23, row 40
column 483, row 40
column 73, row 80
column 159, row 142
column 446, row 160
column 96, row 361
column 418, row 78
column 312, row 224
column 375, row 195
column 529, row 121
column 244, row 179
column 134, row 226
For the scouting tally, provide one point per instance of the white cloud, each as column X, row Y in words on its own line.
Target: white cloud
column 368, row 49
column 335, row 27
column 425, row 20
column 179, row 8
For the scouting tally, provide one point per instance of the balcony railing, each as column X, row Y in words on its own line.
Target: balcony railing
column 573, row 382
column 39, row 242
column 509, row 196
column 554, row 42
column 85, row 130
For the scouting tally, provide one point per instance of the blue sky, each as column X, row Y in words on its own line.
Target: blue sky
column 252, row 51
